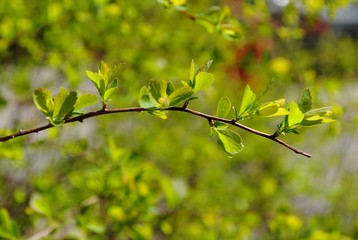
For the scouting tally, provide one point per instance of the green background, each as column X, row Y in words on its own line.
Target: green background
column 135, row 176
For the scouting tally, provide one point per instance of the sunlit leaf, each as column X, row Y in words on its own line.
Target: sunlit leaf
column 224, row 107
column 180, row 95
column 69, row 103
column 64, row 103
column 229, row 141
column 145, row 99
column 104, row 71
column 43, row 101
column 59, row 100
column 272, row 109
column 155, row 89
column 205, row 67
column 94, row 77
column 85, row 100
column 295, row 115
column 324, row 111
column 305, row 100
column 109, row 93
column 248, row 100
column 202, row 80
column 317, row 116
column 314, row 120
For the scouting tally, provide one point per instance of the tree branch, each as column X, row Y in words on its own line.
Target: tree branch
column 210, row 118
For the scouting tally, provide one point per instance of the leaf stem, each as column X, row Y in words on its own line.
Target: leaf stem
column 210, row 118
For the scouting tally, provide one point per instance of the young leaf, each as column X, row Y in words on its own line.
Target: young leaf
column 43, row 101
column 145, row 99
column 56, row 121
column 324, row 111
column 69, row 103
column 223, row 108
column 155, row 89
column 317, row 116
column 314, row 120
column 202, row 80
column 229, row 141
column 85, row 100
column 272, row 109
column 94, row 77
column 104, row 71
column 109, row 93
column 58, row 101
column 205, row 67
column 170, row 88
column 114, row 83
column 295, row 115
column 248, row 100
column 305, row 100
column 193, row 70
column 180, row 95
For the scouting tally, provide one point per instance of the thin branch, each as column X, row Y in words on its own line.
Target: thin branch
column 210, row 119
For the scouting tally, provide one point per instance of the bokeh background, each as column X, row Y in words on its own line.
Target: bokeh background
column 134, row 176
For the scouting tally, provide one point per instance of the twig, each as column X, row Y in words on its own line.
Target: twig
column 210, row 118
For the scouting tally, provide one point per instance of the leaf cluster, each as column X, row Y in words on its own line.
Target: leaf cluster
column 160, row 94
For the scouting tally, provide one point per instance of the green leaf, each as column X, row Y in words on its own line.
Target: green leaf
column 192, row 72
column 109, row 93
column 102, row 87
column 205, row 67
column 185, row 83
column 305, row 100
column 229, row 141
column 104, row 70
column 40, row 205
column 85, row 100
column 317, row 116
column 145, row 99
column 43, row 101
column 58, row 101
column 94, row 77
column 115, row 72
column 272, row 109
column 64, row 103
column 314, row 120
column 295, row 115
column 248, row 100
column 223, row 108
column 324, row 111
column 155, row 89
column 180, row 95
column 56, row 121
column 159, row 113
column 202, row 80
column 69, row 104
column 170, row 88
column 114, row 83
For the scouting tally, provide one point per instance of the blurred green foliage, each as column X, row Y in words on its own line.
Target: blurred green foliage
column 132, row 176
